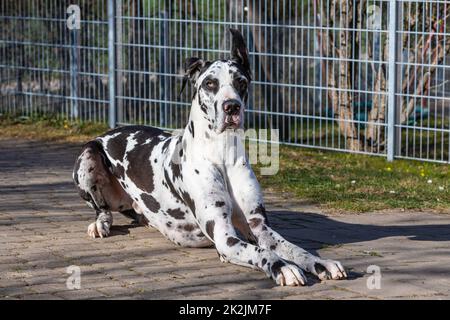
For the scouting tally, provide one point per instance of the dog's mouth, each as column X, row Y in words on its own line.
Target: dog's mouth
column 232, row 121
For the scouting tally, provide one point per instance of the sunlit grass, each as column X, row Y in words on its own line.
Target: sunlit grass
column 49, row 129
column 359, row 183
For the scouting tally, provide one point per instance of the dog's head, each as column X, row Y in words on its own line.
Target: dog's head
column 221, row 86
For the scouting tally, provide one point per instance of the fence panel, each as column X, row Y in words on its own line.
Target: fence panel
column 47, row 68
column 423, row 62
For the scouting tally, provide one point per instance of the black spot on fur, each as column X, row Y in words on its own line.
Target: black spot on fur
column 196, row 171
column 188, row 201
column 263, row 262
column 210, row 228
column 259, row 210
column 273, row 247
column 189, row 227
column 276, row 268
column 116, row 146
column 250, row 262
column 169, row 224
column 191, row 128
column 319, row 268
column 254, row 222
column 150, row 202
column 176, row 213
column 140, row 169
column 231, row 241
column 118, row 171
column 140, row 137
column 176, row 170
column 219, row 204
column 166, row 145
column 204, row 108
column 200, row 235
column 209, row 126
column 170, row 185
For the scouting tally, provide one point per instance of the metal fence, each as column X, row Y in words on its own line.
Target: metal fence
column 351, row 75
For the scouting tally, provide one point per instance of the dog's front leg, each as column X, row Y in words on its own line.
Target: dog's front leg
column 213, row 208
column 248, row 197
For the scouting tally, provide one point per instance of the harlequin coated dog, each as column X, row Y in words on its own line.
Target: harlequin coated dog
column 182, row 184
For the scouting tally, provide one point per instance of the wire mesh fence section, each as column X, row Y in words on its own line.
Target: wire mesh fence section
column 423, row 62
column 363, row 76
column 314, row 95
column 45, row 67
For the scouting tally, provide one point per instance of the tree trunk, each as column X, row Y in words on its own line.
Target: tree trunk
column 342, row 100
column 375, row 133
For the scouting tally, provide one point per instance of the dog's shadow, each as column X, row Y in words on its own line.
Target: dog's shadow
column 321, row 230
column 313, row 232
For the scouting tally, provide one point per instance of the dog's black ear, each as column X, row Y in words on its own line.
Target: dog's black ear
column 239, row 51
column 192, row 68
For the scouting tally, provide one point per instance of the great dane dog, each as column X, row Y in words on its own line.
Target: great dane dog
column 181, row 184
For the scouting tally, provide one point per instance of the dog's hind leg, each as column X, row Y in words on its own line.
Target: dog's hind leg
column 98, row 186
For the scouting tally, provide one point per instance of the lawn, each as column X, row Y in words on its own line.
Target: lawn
column 338, row 182
column 346, row 182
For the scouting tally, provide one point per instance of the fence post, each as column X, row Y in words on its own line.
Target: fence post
column 111, row 66
column 392, row 29
column 74, row 74
column 120, row 118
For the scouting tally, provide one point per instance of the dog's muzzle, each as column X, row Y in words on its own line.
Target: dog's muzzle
column 232, row 110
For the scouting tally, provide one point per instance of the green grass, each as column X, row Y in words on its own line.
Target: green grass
column 335, row 181
column 358, row 183
column 48, row 128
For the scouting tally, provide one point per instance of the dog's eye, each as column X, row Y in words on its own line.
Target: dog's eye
column 210, row 84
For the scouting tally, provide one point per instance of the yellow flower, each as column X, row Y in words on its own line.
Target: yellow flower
column 389, row 169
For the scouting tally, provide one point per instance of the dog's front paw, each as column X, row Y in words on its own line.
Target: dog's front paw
column 328, row 269
column 286, row 274
column 99, row 229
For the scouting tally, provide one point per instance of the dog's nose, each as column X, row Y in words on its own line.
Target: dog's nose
column 231, row 107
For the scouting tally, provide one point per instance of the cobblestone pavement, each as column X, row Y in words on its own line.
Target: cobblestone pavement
column 43, row 226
